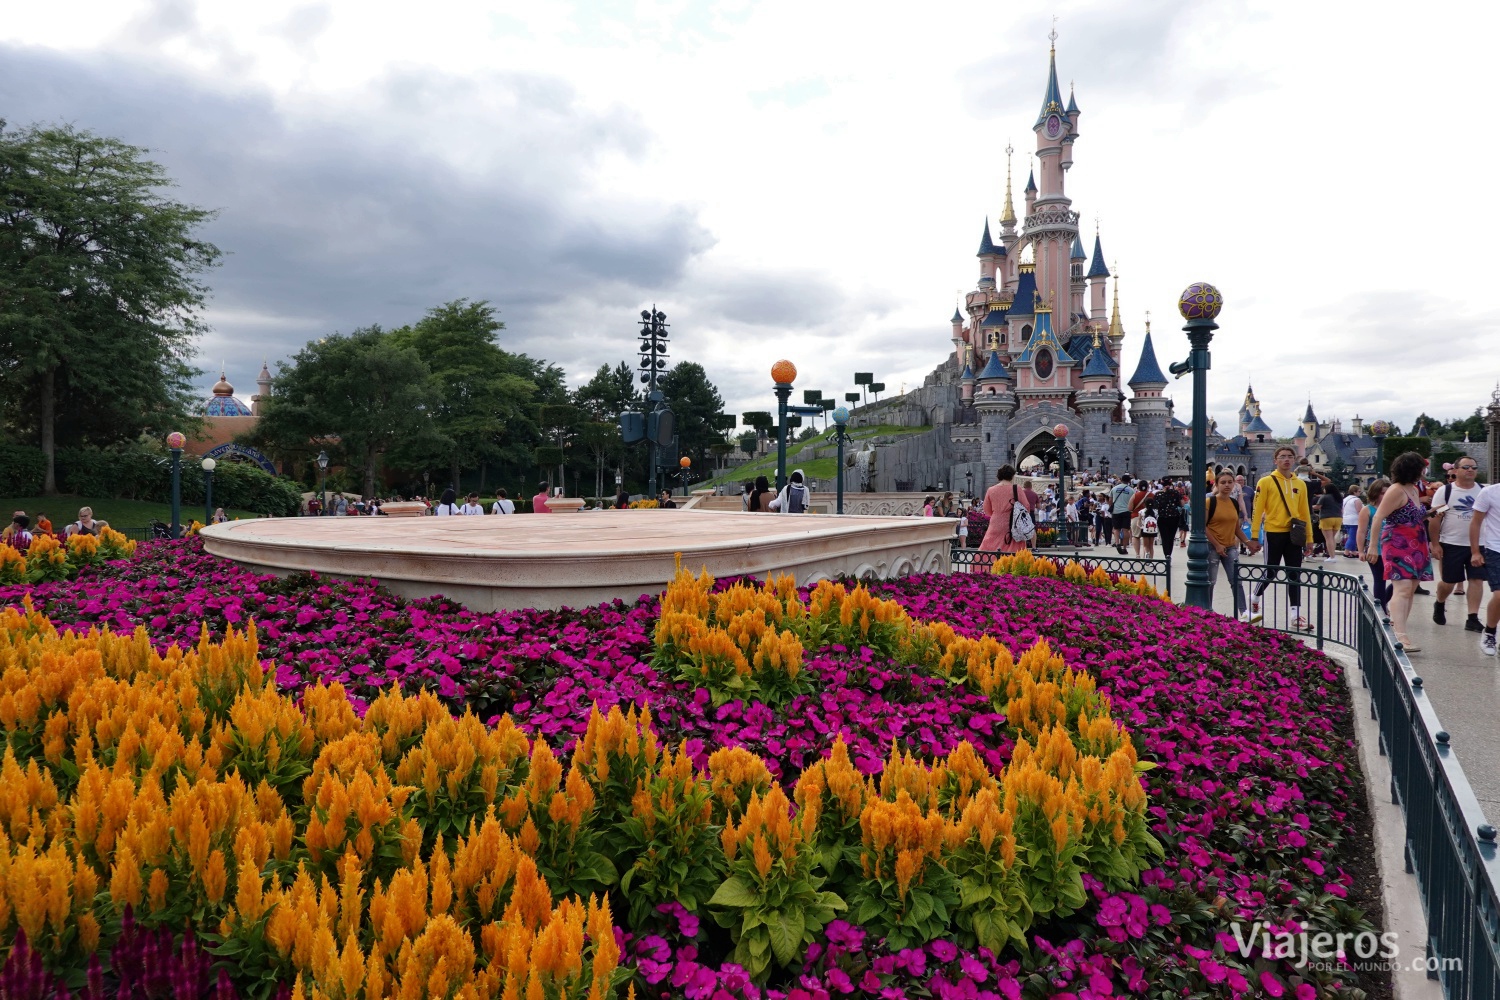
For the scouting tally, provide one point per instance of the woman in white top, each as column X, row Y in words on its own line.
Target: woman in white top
column 446, row 507
column 1353, row 504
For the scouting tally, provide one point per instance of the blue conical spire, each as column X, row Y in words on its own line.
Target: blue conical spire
column 1052, row 103
column 1031, row 182
column 1078, row 253
column 1097, row 365
column 987, row 245
column 958, row 317
column 1098, row 269
column 1148, row 372
column 1072, row 103
column 995, row 368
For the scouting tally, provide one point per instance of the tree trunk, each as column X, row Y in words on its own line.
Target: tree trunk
column 49, row 430
column 369, row 472
column 453, row 471
column 483, row 468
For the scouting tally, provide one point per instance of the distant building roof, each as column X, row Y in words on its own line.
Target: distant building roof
column 1259, row 426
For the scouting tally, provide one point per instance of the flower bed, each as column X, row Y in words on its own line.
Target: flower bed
column 1253, row 795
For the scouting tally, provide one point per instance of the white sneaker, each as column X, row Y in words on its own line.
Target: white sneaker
column 1487, row 644
column 1330, row 559
column 1244, row 616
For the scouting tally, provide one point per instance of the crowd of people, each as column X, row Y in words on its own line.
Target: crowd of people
column 1410, row 529
column 23, row 530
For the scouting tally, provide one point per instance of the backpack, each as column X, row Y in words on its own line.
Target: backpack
column 1149, row 525
column 1022, row 527
column 796, row 499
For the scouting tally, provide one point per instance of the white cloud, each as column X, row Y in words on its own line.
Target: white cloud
column 809, row 180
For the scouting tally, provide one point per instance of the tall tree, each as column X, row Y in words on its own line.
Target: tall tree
column 695, row 404
column 484, row 395
column 609, row 393
column 361, row 394
column 100, row 297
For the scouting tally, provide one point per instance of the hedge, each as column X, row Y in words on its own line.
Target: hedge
column 1396, row 446
column 139, row 474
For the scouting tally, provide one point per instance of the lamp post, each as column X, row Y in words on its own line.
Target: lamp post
column 1380, row 430
column 783, row 373
column 1199, row 304
column 619, row 482
column 208, row 490
column 969, row 483
column 175, row 441
column 685, row 464
column 322, row 480
column 840, row 437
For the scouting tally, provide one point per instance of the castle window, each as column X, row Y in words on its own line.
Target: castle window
column 1104, row 428
column 986, row 437
column 1026, row 332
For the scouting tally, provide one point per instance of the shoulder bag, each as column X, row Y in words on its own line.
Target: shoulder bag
column 1297, row 530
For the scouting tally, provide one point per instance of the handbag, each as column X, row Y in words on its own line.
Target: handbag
column 1297, row 530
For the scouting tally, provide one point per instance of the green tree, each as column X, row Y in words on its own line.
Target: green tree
column 360, row 394
column 696, row 405
column 100, row 298
column 483, row 396
column 609, row 393
column 1339, row 474
column 748, row 441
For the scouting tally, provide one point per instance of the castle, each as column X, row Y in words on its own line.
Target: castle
column 1034, row 345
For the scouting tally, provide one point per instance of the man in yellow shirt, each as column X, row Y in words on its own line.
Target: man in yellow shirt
column 1281, row 498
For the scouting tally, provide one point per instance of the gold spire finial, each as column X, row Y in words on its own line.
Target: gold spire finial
column 1008, row 213
column 1116, row 328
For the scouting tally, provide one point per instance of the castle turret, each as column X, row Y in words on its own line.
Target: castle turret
column 1077, row 258
column 1008, row 213
column 1150, row 412
column 263, row 383
column 989, row 255
column 1096, row 403
column 1098, row 274
column 1310, row 425
column 1067, row 157
column 966, row 380
column 1116, row 328
column 1030, row 193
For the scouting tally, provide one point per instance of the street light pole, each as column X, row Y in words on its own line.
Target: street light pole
column 175, row 441
column 783, row 373
column 1199, row 304
column 322, row 482
column 208, row 490
column 840, row 435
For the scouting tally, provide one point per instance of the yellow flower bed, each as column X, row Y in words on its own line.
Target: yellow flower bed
column 410, row 854
column 48, row 559
column 1026, row 563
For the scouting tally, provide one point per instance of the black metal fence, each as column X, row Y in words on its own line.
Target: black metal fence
column 1449, row 846
column 1156, row 571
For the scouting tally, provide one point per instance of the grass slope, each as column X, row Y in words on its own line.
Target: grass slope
column 819, row 468
column 130, row 516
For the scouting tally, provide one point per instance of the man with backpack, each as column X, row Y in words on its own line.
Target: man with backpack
column 795, row 497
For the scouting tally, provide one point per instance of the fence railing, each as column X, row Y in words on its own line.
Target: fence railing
column 1156, row 571
column 1449, row 845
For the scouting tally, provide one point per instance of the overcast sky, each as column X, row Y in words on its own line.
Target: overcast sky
column 809, row 180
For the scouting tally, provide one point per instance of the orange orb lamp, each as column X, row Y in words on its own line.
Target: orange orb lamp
column 783, row 372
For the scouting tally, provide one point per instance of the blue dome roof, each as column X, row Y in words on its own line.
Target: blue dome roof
column 1259, row 426
column 225, row 406
column 995, row 369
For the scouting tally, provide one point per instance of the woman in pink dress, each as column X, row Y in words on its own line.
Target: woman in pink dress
column 998, row 500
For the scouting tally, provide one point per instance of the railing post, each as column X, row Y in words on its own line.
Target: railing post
column 1319, row 592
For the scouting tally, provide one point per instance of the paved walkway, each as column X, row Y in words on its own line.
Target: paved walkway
column 1463, row 683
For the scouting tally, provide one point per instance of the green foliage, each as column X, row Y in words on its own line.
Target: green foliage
column 906, row 915
column 1397, row 446
column 697, row 405
column 668, row 844
column 143, row 472
column 485, row 393
column 366, row 389
column 772, row 902
column 99, row 295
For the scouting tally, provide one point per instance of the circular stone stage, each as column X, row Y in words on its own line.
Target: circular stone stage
column 574, row 560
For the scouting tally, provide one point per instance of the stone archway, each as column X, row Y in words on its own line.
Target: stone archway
column 1041, row 444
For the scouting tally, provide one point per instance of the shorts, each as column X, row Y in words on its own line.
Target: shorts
column 1457, row 567
column 1331, row 523
column 1135, row 525
column 1122, row 520
column 1491, row 568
